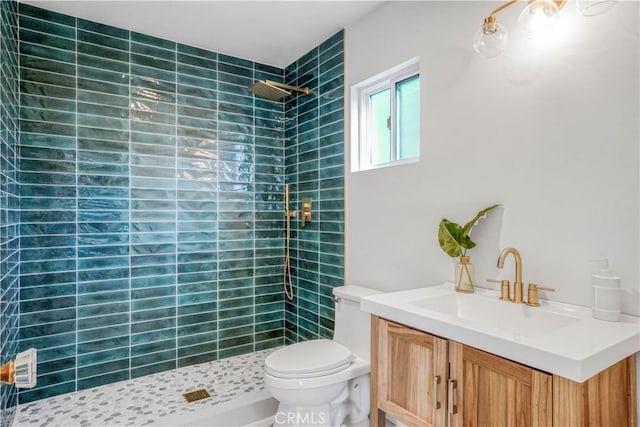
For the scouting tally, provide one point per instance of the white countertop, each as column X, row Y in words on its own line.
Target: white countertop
column 577, row 349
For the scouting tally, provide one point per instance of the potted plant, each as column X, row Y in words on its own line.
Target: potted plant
column 455, row 241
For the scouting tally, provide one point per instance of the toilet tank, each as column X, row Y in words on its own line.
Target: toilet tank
column 352, row 327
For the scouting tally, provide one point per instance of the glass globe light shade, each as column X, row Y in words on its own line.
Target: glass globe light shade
column 490, row 40
column 538, row 18
column 594, row 7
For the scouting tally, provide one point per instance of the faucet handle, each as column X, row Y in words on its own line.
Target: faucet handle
column 505, row 292
column 532, row 294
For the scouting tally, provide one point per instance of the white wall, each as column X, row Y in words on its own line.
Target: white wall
column 550, row 133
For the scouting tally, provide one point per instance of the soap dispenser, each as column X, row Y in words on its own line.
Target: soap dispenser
column 607, row 299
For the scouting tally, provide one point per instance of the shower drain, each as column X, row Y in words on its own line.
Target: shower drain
column 196, row 395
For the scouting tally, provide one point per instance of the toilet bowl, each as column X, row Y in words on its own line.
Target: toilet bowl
column 325, row 382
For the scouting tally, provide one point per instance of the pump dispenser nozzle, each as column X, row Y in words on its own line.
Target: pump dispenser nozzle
column 604, row 266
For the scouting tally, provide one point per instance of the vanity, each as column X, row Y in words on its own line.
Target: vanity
column 442, row 358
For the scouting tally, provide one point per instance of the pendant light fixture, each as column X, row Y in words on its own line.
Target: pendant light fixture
column 536, row 21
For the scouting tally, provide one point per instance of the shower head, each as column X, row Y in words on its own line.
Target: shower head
column 275, row 91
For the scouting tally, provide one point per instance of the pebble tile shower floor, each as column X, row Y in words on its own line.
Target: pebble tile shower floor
column 150, row 399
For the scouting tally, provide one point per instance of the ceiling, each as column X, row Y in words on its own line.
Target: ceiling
column 269, row 32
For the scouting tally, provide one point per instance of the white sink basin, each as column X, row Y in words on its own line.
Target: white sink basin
column 517, row 319
column 562, row 339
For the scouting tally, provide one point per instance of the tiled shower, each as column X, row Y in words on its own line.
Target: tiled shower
column 151, row 186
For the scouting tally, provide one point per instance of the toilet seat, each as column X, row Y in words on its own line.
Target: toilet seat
column 309, row 359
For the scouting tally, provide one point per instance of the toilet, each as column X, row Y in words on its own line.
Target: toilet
column 326, row 382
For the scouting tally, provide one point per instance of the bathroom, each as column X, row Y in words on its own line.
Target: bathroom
column 551, row 134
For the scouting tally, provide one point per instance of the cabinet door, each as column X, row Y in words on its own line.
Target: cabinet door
column 486, row 390
column 411, row 374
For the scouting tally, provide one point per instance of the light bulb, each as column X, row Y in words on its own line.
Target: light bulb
column 594, row 7
column 490, row 40
column 537, row 19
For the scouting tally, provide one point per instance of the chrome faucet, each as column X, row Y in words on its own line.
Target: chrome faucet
column 517, row 286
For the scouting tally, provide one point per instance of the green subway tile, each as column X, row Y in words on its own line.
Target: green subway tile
column 234, row 342
column 272, row 343
column 36, row 63
column 191, row 340
column 103, row 298
column 152, row 369
column 46, row 253
column 46, row 15
column 103, row 75
column 102, row 51
column 166, row 358
column 199, row 328
column 199, row 358
column 235, row 61
column 153, row 336
column 119, row 89
column 97, row 358
column 148, row 81
column 47, row 329
column 187, row 73
column 152, row 347
column 50, row 341
column 197, row 52
column 45, row 26
column 274, row 325
column 102, row 29
column 101, row 286
column 102, row 333
column 44, row 39
column 187, row 351
column 103, row 110
column 103, row 39
column 152, row 314
column 223, row 353
column 153, row 41
column 101, row 321
column 105, row 63
column 193, row 319
column 152, row 325
column 240, row 331
column 147, row 61
column 46, row 77
column 102, row 358
column 102, row 344
column 153, row 51
column 103, row 309
column 234, row 316
column 35, row 101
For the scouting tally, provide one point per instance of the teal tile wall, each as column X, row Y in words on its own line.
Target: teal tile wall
column 314, row 159
column 151, row 204
column 9, row 202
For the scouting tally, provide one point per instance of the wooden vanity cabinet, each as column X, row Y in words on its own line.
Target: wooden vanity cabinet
column 425, row 380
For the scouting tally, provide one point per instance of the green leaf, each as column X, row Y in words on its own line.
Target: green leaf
column 452, row 238
column 468, row 226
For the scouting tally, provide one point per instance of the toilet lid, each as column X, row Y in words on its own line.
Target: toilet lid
column 309, row 359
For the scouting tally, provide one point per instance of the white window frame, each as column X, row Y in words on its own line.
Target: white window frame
column 361, row 118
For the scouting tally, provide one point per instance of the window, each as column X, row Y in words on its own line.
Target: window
column 385, row 112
